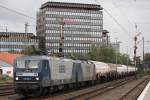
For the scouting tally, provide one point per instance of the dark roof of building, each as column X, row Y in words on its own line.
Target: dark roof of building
column 105, row 31
column 18, row 35
column 7, row 34
column 72, row 5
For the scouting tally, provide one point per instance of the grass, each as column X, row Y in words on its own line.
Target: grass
column 2, row 81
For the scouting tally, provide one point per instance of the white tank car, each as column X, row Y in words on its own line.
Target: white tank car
column 61, row 70
column 101, row 68
column 113, row 67
column 132, row 69
column 121, row 69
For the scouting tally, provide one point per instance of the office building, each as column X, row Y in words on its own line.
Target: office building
column 16, row 42
column 82, row 26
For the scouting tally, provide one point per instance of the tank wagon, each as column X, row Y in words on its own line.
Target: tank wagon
column 43, row 74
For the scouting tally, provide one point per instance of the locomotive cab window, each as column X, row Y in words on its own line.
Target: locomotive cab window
column 20, row 63
column 33, row 64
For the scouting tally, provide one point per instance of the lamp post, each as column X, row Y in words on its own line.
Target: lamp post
column 72, row 43
column 143, row 40
column 116, row 54
column 127, row 59
column 143, row 52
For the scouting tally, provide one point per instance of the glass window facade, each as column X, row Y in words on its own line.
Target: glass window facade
column 83, row 26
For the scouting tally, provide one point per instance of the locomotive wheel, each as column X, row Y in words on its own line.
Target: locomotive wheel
column 45, row 91
column 66, row 86
column 51, row 90
column 71, row 86
column 56, row 89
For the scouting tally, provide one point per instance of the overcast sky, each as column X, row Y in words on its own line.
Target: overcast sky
column 126, row 12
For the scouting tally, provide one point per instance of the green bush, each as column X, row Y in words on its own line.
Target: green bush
column 142, row 72
column 6, row 77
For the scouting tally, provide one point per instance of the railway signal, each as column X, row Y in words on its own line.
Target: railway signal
column 135, row 46
column 105, row 37
column 62, row 22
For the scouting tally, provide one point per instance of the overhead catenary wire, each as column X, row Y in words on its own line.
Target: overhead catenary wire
column 16, row 12
column 115, row 20
column 124, row 15
column 122, row 12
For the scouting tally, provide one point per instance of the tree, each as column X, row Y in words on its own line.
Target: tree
column 31, row 50
column 124, row 59
column 102, row 52
column 106, row 53
column 78, row 57
column 147, row 57
column 147, row 60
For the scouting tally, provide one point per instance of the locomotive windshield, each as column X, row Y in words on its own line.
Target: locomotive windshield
column 27, row 64
column 20, row 64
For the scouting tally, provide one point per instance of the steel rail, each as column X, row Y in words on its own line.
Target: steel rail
column 144, row 82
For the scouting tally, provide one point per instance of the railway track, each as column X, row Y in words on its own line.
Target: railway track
column 111, row 93
column 134, row 93
column 7, row 89
column 93, row 91
column 88, row 93
column 75, row 94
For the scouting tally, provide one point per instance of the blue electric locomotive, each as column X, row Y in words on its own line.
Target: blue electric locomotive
column 29, row 72
column 42, row 74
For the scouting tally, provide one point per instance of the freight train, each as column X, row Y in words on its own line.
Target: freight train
column 43, row 74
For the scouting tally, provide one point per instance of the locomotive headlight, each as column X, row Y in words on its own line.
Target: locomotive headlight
column 37, row 78
column 17, row 78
